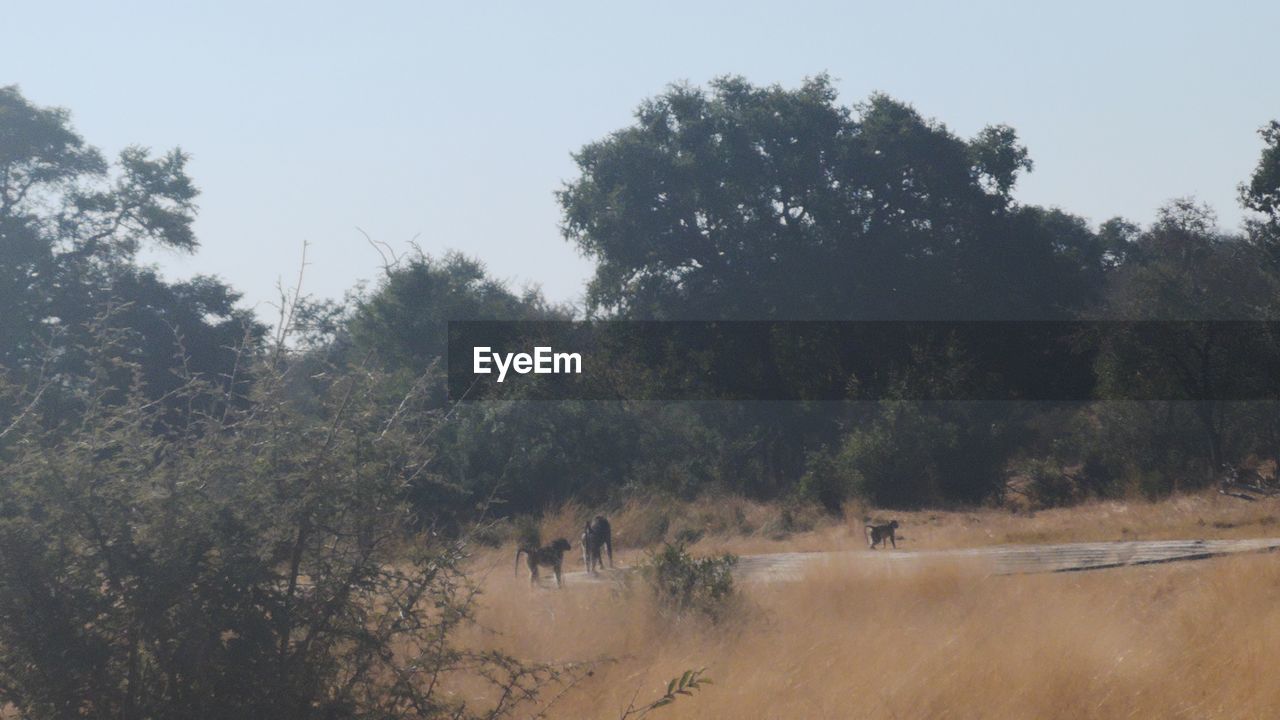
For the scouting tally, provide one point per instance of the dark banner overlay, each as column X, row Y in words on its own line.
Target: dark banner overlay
column 865, row 360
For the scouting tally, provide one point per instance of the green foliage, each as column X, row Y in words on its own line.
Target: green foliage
column 405, row 319
column 1048, row 486
column 70, row 228
column 1184, row 268
column 256, row 562
column 527, row 532
column 530, row 455
column 824, row 483
column 1262, row 192
column 685, row 684
column 745, row 202
column 682, row 584
column 910, row 454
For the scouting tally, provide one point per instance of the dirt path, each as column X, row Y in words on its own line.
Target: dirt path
column 999, row 559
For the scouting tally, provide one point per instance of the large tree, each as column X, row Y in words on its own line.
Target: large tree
column 1190, row 276
column 405, row 318
column 1262, row 192
column 1262, row 195
column 71, row 225
column 745, row 202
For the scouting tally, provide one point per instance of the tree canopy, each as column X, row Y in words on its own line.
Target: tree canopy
column 71, row 225
column 745, row 202
column 405, row 318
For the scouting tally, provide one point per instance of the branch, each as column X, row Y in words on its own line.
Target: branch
column 25, row 411
column 383, row 250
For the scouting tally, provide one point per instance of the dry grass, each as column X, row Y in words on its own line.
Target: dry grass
column 732, row 524
column 876, row 640
column 1194, row 640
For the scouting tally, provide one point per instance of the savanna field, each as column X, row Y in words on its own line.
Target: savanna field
column 860, row 638
column 776, row 306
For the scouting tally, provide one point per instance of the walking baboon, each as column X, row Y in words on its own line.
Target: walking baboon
column 551, row 556
column 595, row 535
column 880, row 533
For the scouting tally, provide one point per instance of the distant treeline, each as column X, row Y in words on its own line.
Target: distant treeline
column 732, row 202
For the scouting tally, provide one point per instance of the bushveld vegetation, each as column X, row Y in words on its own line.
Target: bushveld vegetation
column 207, row 555
column 201, row 515
column 732, row 202
column 683, row 584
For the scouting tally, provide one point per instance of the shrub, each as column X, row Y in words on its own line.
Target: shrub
column 915, row 454
column 824, row 483
column 259, row 560
column 1049, row 486
column 682, row 584
column 527, row 532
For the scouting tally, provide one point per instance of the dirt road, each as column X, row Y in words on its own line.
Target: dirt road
column 998, row 559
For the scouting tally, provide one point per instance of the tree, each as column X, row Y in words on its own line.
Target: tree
column 1262, row 192
column 913, row 455
column 741, row 202
column 405, row 319
column 70, row 228
column 1190, row 276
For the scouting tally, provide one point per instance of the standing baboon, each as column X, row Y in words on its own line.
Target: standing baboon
column 596, row 534
column 551, row 556
column 880, row 533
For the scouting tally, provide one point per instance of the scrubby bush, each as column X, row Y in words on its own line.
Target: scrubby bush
column 257, row 561
column 824, row 483
column 682, row 584
column 527, row 532
column 1048, row 486
column 913, row 454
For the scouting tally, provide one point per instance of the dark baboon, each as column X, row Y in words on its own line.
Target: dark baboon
column 877, row 534
column 595, row 535
column 551, row 556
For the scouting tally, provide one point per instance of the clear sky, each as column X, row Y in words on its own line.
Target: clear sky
column 455, row 122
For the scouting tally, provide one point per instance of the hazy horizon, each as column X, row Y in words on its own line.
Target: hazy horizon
column 455, row 124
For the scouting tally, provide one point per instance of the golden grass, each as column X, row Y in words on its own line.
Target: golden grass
column 732, row 524
column 921, row 640
column 874, row 640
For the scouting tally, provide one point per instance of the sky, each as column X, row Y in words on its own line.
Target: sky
column 454, row 123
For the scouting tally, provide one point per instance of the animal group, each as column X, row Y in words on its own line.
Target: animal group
column 597, row 543
column 596, row 536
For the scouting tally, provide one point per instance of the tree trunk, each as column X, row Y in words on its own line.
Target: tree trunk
column 1206, row 411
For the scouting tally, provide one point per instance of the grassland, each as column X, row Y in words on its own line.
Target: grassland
column 939, row 640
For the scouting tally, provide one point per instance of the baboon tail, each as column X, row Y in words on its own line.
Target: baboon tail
column 518, row 551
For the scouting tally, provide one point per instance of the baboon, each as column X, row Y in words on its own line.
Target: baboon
column 551, row 556
column 880, row 533
column 595, row 535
